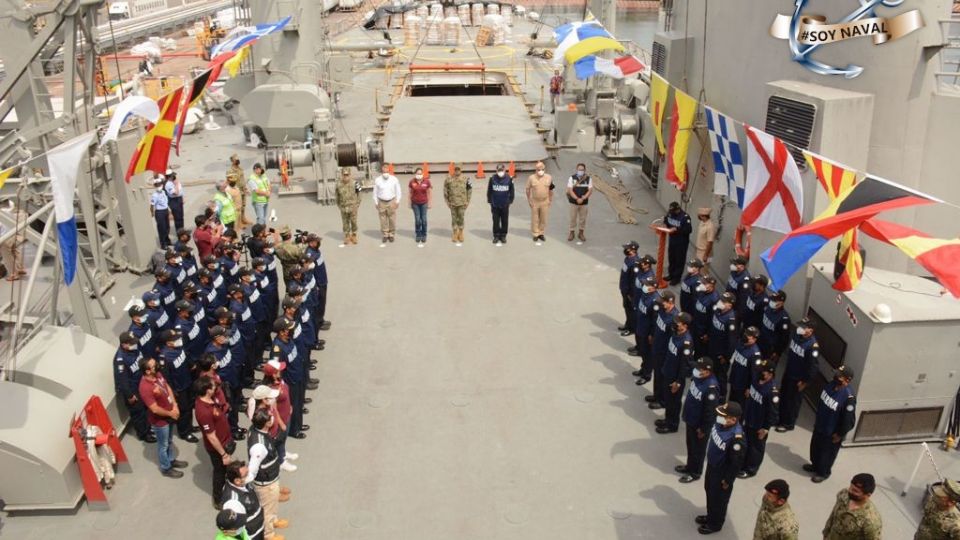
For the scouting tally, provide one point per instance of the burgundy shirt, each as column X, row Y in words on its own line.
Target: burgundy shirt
column 284, row 408
column 155, row 393
column 203, row 238
column 418, row 190
column 212, row 418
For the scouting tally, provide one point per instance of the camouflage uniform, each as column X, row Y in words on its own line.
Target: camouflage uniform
column 845, row 524
column 938, row 523
column 776, row 523
column 457, row 190
column 289, row 252
column 238, row 192
column 348, row 200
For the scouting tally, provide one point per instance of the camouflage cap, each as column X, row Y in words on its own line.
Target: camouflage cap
column 947, row 489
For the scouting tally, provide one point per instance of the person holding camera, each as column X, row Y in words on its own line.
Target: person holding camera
column 206, row 235
column 348, row 200
column 289, row 251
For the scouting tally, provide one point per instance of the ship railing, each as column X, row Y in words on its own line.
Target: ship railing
column 948, row 77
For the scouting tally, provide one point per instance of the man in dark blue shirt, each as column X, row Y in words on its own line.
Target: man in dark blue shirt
column 678, row 222
column 500, row 193
column 626, row 287
column 836, row 416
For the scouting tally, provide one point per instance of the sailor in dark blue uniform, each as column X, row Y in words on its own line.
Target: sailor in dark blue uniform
column 646, row 315
column 680, row 227
column 258, row 307
column 294, row 311
column 268, row 288
column 230, row 264
column 228, row 369
column 159, row 320
column 270, row 258
column 194, row 341
column 184, row 237
column 706, row 299
column 286, row 351
column 755, row 302
column 738, row 283
column 725, row 450
column 643, row 270
column 247, row 328
column 774, row 328
column 303, row 288
column 168, row 293
column 217, row 280
column 126, row 379
column 191, row 293
column 676, row 366
column 228, row 319
column 803, row 355
column 836, row 416
column 178, row 369
column 209, row 295
column 626, row 287
column 761, row 411
column 743, row 365
column 320, row 273
column 689, row 284
column 188, row 263
column 141, row 328
column 174, row 266
column 662, row 330
column 722, row 337
column 699, row 412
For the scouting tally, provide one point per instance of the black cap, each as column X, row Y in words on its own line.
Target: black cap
column 183, row 305
column 189, row 286
column 649, row 281
column 306, row 258
column 846, row 372
column 761, row 279
column 730, row 409
column 751, row 331
column 234, row 288
column 632, row 245
column 296, row 269
column 709, row 280
column 208, row 259
column 170, row 253
column 137, row 310
column 738, row 260
column 169, row 335
column 313, row 237
column 294, row 290
column 183, row 231
column 245, row 272
column 204, row 272
column 865, row 482
column 705, row 362
column 282, row 323
column 696, row 263
column 674, row 205
column 162, row 273
column 222, row 313
column 500, row 167
column 184, row 249
column 228, row 520
column 807, row 322
column 778, row 487
column 648, row 259
column 290, row 302
column 728, row 298
column 766, row 366
column 218, row 331
column 779, row 296
column 258, row 261
column 128, row 338
column 684, row 318
column 667, row 296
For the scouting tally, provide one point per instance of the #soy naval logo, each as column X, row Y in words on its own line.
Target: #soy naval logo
column 807, row 33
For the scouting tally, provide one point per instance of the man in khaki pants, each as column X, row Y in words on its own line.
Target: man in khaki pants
column 579, row 189
column 387, row 195
column 264, row 471
column 539, row 197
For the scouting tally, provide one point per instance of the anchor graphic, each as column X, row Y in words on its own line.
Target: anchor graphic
column 801, row 52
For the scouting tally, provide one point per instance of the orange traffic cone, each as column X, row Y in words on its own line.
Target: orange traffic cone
column 450, row 169
column 480, row 169
column 390, row 168
column 512, row 170
column 426, row 170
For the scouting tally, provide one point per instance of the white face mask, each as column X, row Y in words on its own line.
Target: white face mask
column 718, row 306
column 501, row 174
column 268, row 251
column 800, row 331
column 697, row 373
column 419, row 176
column 690, row 270
column 733, row 268
column 722, row 420
column 647, row 289
column 541, row 173
column 178, row 260
column 178, row 343
column 701, row 287
column 776, row 305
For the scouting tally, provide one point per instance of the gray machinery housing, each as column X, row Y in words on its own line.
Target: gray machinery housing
column 906, row 369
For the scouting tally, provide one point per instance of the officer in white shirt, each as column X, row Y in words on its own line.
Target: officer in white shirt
column 387, row 195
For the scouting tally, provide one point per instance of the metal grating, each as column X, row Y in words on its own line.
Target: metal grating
column 898, row 424
column 659, row 58
column 792, row 121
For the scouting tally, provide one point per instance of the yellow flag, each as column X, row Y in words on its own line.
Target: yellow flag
column 4, row 174
column 658, row 102
column 233, row 64
column 684, row 113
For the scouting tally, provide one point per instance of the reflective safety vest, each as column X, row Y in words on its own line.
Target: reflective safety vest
column 228, row 214
column 263, row 183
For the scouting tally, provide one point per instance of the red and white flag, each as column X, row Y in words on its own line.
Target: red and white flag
column 773, row 195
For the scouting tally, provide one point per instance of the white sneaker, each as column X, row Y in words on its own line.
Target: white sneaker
column 342, row 245
column 499, row 244
column 287, row 466
column 458, row 244
column 291, row 456
column 419, row 245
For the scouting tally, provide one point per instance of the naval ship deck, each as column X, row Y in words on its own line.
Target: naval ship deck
column 472, row 392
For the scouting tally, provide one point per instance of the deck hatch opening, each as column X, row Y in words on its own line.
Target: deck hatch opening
column 463, row 89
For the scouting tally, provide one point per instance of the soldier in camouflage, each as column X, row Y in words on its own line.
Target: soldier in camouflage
column 854, row 515
column 238, row 190
column 457, row 190
column 941, row 518
column 775, row 520
column 348, row 200
column 288, row 251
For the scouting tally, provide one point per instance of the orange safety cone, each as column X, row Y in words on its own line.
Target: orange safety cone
column 390, row 168
column 426, row 170
column 480, row 169
column 450, row 169
column 512, row 170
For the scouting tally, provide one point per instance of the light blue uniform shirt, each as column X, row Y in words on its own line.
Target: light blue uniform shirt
column 159, row 200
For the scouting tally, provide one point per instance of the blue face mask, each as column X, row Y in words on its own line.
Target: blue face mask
column 580, row 173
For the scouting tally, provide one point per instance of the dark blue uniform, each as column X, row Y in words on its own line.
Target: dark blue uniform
column 200, row 320
column 688, row 293
column 760, row 411
column 658, row 350
column 627, row 291
column 146, row 338
column 230, row 270
column 703, row 318
column 189, row 266
column 294, row 376
column 678, row 243
column 699, row 413
column 774, row 332
column 193, row 345
column 836, row 415
column 178, row 276
column 247, row 329
column 753, row 308
column 722, row 340
column 257, row 302
column 320, row 274
column 168, row 297
column 725, row 450
column 212, row 300
column 159, row 319
column 676, row 365
column 743, row 362
column 177, row 368
column 228, row 369
column 802, row 360
column 739, row 284
column 126, row 379
column 645, row 315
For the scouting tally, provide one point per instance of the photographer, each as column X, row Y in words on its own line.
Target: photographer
column 207, row 235
column 289, row 251
column 258, row 241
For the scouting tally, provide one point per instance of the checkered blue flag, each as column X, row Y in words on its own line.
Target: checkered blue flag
column 729, row 179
